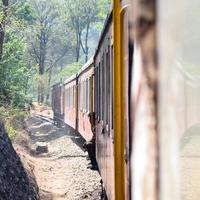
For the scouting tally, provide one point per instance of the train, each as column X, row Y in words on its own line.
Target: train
column 137, row 101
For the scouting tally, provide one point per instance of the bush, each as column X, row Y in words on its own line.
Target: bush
column 13, row 119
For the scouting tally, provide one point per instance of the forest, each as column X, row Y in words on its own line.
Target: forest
column 43, row 42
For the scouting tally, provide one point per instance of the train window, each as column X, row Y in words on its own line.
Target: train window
column 86, row 83
column 85, row 91
column 108, row 86
column 82, row 95
column 66, row 97
column 73, row 96
column 86, row 94
column 91, row 97
column 79, row 94
column 90, row 94
column 111, row 87
column 103, row 88
column 96, row 78
column 180, row 106
column 98, row 106
column 81, row 98
column 88, row 102
column 69, row 97
column 100, row 90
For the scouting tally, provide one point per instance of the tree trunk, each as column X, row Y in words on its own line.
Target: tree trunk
column 42, row 53
column 42, row 57
column 85, row 47
column 2, row 26
column 86, row 43
column 49, row 83
column 78, row 45
column 2, row 34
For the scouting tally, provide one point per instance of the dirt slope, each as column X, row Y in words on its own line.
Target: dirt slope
column 62, row 172
column 16, row 183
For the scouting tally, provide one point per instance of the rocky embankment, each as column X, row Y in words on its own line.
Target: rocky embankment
column 15, row 182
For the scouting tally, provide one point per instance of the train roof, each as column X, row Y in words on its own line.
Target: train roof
column 86, row 66
column 56, row 85
column 83, row 69
column 107, row 22
column 70, row 79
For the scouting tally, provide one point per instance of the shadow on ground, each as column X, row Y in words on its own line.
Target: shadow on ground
column 42, row 129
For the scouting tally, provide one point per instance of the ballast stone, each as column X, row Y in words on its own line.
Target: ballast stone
column 41, row 147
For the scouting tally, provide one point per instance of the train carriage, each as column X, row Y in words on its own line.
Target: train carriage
column 103, row 61
column 58, row 103
column 85, row 107
column 146, row 101
column 71, row 101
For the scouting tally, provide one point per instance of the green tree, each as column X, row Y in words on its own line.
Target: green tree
column 80, row 22
column 3, row 16
column 14, row 71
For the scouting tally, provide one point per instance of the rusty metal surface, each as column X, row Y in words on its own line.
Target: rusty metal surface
column 104, row 138
column 57, row 103
column 84, row 125
column 70, row 114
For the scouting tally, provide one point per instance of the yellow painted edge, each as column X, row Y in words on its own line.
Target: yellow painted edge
column 118, row 105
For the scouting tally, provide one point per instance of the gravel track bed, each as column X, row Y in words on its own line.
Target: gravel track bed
column 61, row 173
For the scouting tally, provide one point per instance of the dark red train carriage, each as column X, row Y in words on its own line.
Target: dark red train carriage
column 58, row 103
column 103, row 61
column 86, row 100
column 70, row 101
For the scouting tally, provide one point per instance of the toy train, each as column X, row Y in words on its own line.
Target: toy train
column 138, row 98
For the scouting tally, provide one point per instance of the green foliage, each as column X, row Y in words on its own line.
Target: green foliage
column 68, row 71
column 19, row 79
column 24, row 12
column 104, row 7
column 40, row 84
column 14, row 74
column 13, row 119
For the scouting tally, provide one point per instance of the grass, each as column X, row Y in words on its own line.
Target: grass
column 13, row 119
